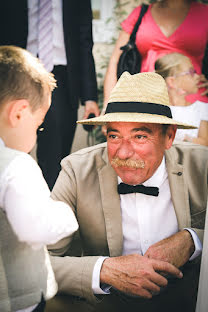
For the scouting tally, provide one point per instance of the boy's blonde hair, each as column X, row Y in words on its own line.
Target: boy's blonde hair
column 170, row 64
column 22, row 76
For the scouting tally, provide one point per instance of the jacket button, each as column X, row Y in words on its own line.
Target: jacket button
column 179, row 173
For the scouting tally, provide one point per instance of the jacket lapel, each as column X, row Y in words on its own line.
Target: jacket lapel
column 111, row 208
column 178, row 189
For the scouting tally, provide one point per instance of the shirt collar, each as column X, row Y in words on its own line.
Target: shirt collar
column 158, row 177
column 1, row 143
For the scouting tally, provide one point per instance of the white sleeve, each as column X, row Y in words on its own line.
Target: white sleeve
column 33, row 215
column 197, row 244
column 96, row 287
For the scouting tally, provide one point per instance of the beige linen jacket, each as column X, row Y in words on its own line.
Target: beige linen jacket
column 88, row 184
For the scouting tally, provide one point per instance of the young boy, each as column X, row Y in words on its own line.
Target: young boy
column 29, row 218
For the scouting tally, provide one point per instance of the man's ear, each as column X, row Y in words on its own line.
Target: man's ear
column 16, row 110
column 170, row 136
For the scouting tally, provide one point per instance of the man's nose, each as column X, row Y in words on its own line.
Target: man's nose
column 125, row 150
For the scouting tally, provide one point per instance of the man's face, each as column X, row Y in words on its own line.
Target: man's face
column 135, row 150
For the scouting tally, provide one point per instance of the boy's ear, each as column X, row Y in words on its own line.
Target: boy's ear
column 16, row 111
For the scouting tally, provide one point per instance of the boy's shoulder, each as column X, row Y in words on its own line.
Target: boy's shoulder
column 7, row 155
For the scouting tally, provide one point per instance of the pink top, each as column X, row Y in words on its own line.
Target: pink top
column 190, row 38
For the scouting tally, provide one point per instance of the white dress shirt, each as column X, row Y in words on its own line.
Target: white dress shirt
column 145, row 221
column 59, row 53
column 25, row 197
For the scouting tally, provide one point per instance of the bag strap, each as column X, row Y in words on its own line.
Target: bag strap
column 142, row 12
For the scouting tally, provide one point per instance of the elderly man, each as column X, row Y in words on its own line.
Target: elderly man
column 140, row 203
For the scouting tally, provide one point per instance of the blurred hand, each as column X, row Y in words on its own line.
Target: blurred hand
column 91, row 107
column 104, row 130
column 203, row 84
column 188, row 138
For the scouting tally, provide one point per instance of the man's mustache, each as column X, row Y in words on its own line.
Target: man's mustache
column 131, row 163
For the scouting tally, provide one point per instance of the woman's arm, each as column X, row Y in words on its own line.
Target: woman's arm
column 202, row 134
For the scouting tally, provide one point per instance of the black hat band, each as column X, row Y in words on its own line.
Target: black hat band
column 139, row 107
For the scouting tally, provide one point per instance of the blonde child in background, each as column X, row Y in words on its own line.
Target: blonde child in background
column 29, row 218
column 182, row 80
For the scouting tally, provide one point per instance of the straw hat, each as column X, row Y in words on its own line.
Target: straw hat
column 142, row 98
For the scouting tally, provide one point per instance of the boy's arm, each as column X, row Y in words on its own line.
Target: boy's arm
column 33, row 215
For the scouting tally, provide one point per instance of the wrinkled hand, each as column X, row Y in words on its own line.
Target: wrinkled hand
column 91, row 107
column 203, row 84
column 136, row 275
column 176, row 249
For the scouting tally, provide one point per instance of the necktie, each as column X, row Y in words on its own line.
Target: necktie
column 45, row 34
column 127, row 189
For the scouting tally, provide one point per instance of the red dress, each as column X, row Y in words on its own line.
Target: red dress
column 190, row 38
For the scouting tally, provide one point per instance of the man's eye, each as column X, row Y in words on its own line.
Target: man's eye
column 140, row 136
column 112, row 136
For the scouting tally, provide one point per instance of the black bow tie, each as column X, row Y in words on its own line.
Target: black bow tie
column 127, row 189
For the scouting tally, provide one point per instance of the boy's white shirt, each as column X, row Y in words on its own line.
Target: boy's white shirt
column 25, row 197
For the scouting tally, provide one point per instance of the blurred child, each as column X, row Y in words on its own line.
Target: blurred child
column 182, row 80
column 29, row 218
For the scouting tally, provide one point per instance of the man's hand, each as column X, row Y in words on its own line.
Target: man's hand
column 136, row 275
column 176, row 249
column 91, row 107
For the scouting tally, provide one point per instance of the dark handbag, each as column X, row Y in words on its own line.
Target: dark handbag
column 130, row 59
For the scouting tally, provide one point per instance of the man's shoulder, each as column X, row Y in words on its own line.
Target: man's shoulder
column 184, row 151
column 88, row 154
column 187, row 147
column 98, row 148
